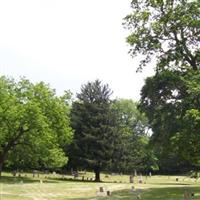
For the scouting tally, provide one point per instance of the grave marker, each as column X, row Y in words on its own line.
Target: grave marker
column 135, row 172
column 186, row 195
column 131, row 179
column 101, row 189
column 108, row 193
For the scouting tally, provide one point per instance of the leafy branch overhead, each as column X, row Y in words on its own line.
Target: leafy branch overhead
column 166, row 30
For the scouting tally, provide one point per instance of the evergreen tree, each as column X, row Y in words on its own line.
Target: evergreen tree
column 94, row 126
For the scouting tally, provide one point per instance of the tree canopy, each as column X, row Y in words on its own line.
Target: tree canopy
column 34, row 124
column 93, row 125
column 131, row 147
column 167, row 30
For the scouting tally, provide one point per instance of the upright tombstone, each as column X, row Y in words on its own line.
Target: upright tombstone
column 150, row 174
column 108, row 193
column 14, row 172
column 186, row 195
column 63, row 176
column 75, row 174
column 140, row 179
column 131, row 179
column 33, row 173
column 135, row 172
column 132, row 189
column 101, row 189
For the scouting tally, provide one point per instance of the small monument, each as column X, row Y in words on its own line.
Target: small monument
column 140, row 179
column 186, row 195
column 132, row 189
column 108, row 193
column 131, row 179
column 150, row 174
column 135, row 172
column 101, row 189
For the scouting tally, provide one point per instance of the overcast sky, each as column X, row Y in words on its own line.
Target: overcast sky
column 68, row 42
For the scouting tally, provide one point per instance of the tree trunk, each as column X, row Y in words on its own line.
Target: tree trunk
column 2, row 159
column 97, row 174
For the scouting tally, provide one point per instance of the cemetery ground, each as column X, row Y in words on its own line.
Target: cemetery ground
column 57, row 187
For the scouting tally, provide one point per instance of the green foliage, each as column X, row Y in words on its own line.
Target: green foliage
column 171, row 103
column 168, row 32
column 131, row 147
column 34, row 124
column 165, row 30
column 93, row 125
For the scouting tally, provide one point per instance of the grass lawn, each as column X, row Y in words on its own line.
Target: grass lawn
column 55, row 188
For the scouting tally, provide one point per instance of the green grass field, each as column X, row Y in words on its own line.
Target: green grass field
column 56, row 188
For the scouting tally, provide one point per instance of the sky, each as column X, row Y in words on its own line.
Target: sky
column 67, row 43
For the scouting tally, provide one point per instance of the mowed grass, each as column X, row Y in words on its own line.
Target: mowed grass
column 56, row 187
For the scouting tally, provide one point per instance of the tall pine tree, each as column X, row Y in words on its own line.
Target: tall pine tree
column 93, row 124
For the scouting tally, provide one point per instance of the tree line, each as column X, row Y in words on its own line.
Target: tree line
column 168, row 32
column 41, row 130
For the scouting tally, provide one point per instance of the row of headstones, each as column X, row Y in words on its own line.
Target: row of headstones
column 103, row 192
column 35, row 173
column 140, row 179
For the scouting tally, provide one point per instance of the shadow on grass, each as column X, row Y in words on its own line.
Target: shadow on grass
column 167, row 193
column 170, row 184
column 78, row 180
column 14, row 180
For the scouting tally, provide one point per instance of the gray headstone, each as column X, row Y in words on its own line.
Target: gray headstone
column 101, row 189
column 108, row 193
column 131, row 179
column 186, row 195
column 135, row 172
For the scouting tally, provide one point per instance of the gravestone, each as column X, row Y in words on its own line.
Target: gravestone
column 75, row 175
column 131, row 179
column 132, row 189
column 135, row 172
column 108, row 193
column 186, row 195
column 101, row 189
column 176, row 179
column 14, row 172
column 140, row 179
column 150, row 174
column 54, row 173
column 83, row 178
